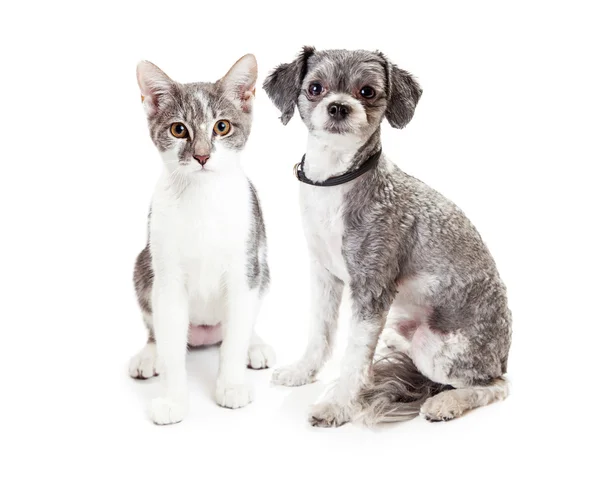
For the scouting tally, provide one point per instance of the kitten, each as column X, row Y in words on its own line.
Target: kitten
column 201, row 278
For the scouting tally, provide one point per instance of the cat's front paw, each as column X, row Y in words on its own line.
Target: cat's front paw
column 260, row 356
column 233, row 396
column 144, row 364
column 164, row 410
column 329, row 414
column 293, row 375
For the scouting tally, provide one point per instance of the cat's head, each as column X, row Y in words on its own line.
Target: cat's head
column 199, row 127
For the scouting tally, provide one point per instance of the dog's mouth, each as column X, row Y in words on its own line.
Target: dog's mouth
column 338, row 127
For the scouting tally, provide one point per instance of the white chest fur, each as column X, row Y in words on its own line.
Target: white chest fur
column 323, row 220
column 199, row 236
column 322, row 208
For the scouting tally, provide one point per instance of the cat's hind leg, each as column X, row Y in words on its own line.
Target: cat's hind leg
column 144, row 364
column 260, row 354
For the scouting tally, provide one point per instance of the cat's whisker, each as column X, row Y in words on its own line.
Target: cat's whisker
column 178, row 180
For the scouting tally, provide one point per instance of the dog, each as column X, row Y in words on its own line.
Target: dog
column 412, row 260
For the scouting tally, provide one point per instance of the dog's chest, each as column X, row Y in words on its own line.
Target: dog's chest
column 323, row 220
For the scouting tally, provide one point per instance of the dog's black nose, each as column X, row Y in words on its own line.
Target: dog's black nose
column 339, row 111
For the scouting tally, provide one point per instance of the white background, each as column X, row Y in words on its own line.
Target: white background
column 507, row 128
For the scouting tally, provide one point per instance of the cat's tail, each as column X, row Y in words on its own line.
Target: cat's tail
column 396, row 392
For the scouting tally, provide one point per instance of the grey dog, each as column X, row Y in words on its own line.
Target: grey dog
column 414, row 263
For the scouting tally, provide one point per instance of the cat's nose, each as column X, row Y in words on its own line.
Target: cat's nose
column 202, row 159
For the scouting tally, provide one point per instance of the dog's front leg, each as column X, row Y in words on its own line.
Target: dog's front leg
column 325, row 298
column 341, row 405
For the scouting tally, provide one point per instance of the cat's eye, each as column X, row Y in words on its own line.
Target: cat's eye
column 367, row 92
column 222, row 127
column 315, row 89
column 178, row 130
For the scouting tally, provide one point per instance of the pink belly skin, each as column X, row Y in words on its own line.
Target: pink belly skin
column 407, row 328
column 204, row 335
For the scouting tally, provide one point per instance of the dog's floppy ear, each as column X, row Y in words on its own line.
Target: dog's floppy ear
column 284, row 83
column 403, row 95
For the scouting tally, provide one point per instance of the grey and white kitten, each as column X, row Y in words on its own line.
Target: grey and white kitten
column 409, row 256
column 201, row 278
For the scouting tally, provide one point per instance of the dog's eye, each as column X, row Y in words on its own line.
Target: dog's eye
column 315, row 89
column 367, row 92
column 178, row 130
column 222, row 127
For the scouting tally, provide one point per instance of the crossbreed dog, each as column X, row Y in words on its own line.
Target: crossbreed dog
column 408, row 254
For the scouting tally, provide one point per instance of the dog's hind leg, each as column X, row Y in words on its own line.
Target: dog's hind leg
column 454, row 403
column 402, row 321
column 475, row 371
column 399, row 329
column 394, row 340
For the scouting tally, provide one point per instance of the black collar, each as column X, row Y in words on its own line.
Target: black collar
column 341, row 179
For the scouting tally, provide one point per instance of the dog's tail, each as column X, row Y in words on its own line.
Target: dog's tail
column 397, row 391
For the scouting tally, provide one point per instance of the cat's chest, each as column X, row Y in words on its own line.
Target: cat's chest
column 205, row 226
column 204, row 232
column 323, row 220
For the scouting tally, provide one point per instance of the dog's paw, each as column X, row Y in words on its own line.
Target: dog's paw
column 233, row 396
column 329, row 414
column 144, row 364
column 395, row 341
column 260, row 356
column 164, row 410
column 293, row 375
column 442, row 407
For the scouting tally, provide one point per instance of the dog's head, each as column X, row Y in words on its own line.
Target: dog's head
column 343, row 92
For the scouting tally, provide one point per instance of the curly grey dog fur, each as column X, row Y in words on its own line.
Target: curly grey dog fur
column 409, row 255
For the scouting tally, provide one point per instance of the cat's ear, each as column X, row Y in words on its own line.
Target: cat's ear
column 239, row 83
column 284, row 84
column 154, row 85
column 403, row 94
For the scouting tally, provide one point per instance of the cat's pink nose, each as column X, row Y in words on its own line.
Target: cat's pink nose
column 202, row 159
